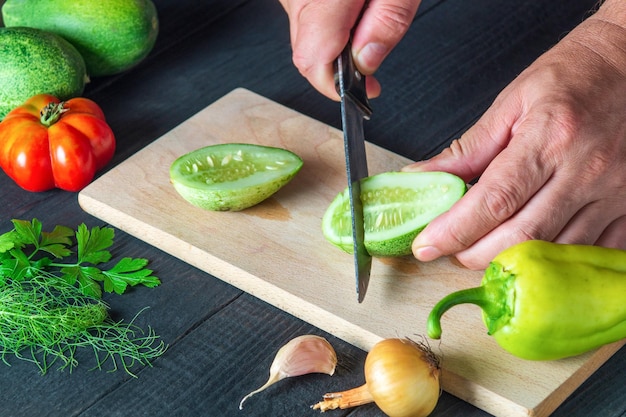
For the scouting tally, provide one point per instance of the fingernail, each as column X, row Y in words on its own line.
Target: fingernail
column 371, row 56
column 427, row 253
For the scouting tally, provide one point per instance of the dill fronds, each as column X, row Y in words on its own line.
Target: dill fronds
column 44, row 320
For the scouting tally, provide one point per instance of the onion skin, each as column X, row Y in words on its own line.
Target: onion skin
column 403, row 378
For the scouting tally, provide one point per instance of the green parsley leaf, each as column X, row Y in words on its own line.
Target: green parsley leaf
column 86, row 277
column 27, row 233
column 19, row 265
column 7, row 242
column 23, row 253
column 129, row 271
column 92, row 246
column 56, row 242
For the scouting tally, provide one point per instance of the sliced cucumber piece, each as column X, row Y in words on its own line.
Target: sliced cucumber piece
column 396, row 207
column 232, row 176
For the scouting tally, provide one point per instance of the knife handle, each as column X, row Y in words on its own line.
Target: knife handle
column 350, row 81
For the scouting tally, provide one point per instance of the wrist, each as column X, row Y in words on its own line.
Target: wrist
column 604, row 33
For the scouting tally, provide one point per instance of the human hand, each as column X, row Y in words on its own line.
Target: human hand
column 320, row 29
column 550, row 153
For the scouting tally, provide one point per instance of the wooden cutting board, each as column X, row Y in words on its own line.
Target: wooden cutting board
column 276, row 252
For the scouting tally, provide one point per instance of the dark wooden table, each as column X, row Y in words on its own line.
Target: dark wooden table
column 457, row 56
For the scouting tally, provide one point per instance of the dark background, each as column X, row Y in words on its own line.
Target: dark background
column 455, row 59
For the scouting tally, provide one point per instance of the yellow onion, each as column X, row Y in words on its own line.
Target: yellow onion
column 401, row 377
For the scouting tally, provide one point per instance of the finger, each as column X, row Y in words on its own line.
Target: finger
column 564, row 210
column 614, row 236
column 550, row 211
column 465, row 157
column 320, row 29
column 372, row 86
column 590, row 222
column 382, row 26
column 469, row 156
column 590, row 226
column 489, row 203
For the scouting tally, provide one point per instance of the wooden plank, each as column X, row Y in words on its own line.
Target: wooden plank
column 276, row 252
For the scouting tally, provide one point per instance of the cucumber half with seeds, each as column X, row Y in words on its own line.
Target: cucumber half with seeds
column 232, row 176
column 396, row 207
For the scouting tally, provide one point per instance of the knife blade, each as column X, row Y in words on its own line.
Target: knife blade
column 355, row 108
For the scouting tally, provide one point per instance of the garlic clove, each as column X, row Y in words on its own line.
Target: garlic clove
column 302, row 355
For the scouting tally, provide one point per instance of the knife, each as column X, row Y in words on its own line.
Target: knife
column 350, row 84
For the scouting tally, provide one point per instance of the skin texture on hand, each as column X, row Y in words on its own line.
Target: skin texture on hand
column 550, row 153
column 320, row 29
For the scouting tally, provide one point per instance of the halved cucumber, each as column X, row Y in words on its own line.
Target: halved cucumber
column 396, row 207
column 232, row 176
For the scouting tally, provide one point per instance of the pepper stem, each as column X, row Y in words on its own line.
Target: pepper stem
column 345, row 399
column 491, row 297
column 50, row 114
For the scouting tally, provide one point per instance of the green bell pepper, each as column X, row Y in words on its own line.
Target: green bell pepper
column 546, row 301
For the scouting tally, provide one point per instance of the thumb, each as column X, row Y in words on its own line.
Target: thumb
column 469, row 156
column 382, row 26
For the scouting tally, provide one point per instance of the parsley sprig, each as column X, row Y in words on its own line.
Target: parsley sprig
column 27, row 251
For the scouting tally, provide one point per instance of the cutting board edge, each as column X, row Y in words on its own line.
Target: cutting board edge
column 482, row 397
column 567, row 388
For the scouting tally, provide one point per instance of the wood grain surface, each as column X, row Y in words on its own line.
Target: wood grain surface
column 276, row 252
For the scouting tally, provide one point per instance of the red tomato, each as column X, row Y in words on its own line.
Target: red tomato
column 46, row 143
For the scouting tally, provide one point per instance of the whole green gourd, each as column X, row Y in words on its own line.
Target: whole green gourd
column 111, row 35
column 34, row 62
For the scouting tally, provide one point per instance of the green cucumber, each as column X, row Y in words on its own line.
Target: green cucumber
column 34, row 62
column 111, row 35
column 396, row 207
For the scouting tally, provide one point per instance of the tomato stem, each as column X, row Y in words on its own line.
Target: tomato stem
column 345, row 399
column 50, row 114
